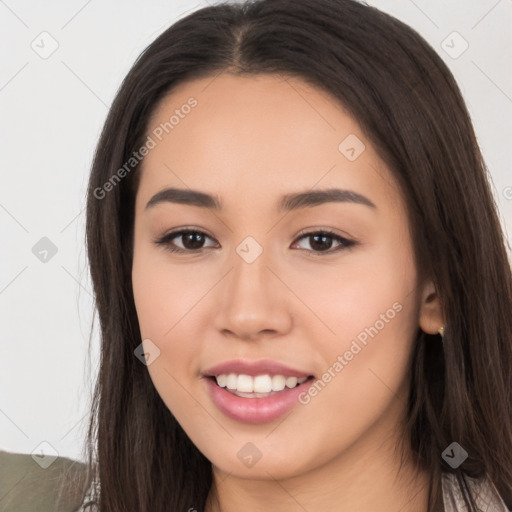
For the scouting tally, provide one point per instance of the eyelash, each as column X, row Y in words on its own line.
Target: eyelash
column 165, row 241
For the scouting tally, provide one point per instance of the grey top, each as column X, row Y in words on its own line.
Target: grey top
column 484, row 492
column 486, row 496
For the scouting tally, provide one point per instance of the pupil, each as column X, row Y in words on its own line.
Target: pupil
column 323, row 239
column 196, row 240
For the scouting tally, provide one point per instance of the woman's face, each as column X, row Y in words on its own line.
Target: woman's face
column 259, row 287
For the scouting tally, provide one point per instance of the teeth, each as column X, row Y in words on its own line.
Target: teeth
column 278, row 383
column 291, row 382
column 262, row 384
column 231, row 381
column 258, row 384
column 245, row 384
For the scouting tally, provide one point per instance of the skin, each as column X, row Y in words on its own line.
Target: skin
column 249, row 141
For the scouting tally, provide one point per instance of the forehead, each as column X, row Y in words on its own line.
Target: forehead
column 255, row 135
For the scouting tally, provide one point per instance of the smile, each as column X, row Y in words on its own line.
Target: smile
column 255, row 407
column 259, row 386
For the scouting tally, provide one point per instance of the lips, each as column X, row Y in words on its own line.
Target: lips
column 255, row 410
column 263, row 367
column 255, row 407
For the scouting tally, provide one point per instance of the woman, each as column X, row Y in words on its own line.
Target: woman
column 301, row 279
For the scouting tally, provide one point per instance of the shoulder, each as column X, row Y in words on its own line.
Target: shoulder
column 482, row 489
column 40, row 482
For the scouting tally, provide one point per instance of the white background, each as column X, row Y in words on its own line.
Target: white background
column 52, row 111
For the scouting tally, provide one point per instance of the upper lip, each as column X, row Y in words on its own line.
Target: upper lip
column 253, row 368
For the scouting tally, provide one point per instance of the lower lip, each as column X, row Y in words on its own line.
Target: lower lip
column 255, row 410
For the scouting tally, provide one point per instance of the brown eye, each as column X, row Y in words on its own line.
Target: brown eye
column 191, row 241
column 322, row 241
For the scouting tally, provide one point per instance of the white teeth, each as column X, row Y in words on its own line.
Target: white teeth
column 278, row 383
column 262, row 384
column 231, row 381
column 258, row 384
column 291, row 382
column 245, row 384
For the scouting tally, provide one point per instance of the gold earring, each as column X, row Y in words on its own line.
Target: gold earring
column 441, row 331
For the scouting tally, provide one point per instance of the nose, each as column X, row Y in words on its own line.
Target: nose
column 253, row 302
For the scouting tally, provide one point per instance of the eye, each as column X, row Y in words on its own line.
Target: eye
column 322, row 241
column 192, row 241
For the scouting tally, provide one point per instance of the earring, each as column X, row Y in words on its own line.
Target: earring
column 441, row 331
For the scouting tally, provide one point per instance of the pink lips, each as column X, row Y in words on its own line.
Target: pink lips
column 262, row 367
column 254, row 410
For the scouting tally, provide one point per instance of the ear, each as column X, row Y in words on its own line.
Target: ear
column 431, row 317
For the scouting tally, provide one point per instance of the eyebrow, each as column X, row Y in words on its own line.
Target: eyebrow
column 288, row 202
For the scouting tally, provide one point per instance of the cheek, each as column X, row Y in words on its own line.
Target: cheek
column 168, row 304
column 371, row 308
column 364, row 289
column 166, row 295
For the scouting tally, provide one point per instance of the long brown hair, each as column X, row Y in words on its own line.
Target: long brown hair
column 410, row 107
